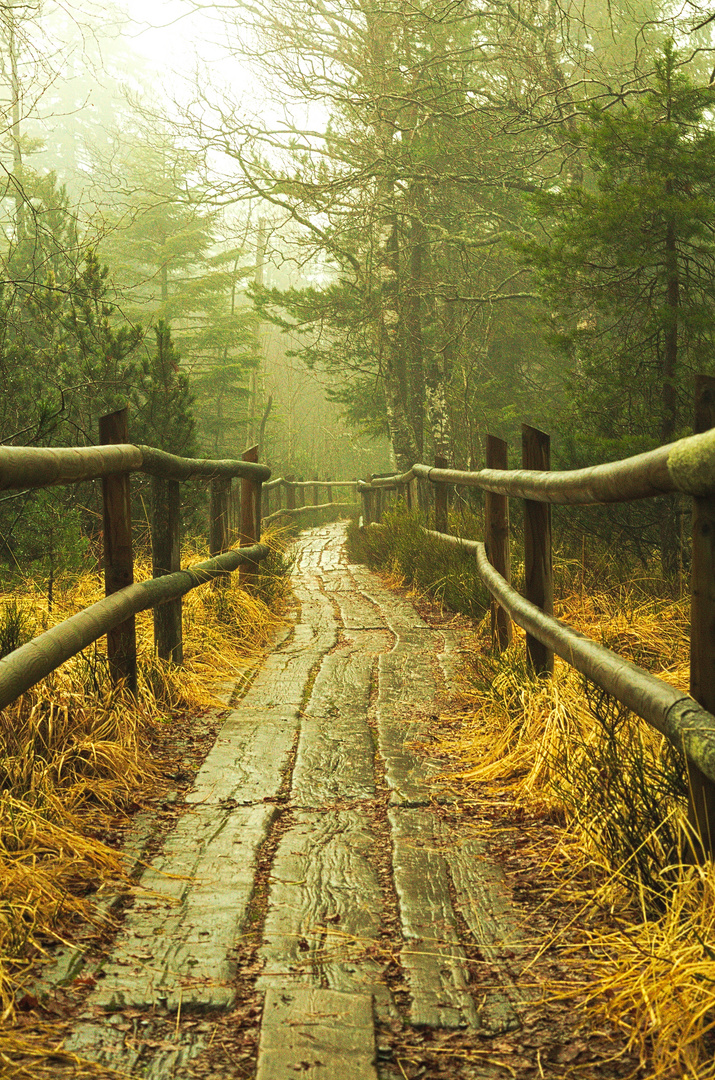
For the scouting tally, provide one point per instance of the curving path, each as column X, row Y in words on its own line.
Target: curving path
column 370, row 905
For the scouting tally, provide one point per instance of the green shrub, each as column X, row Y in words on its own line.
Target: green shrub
column 401, row 547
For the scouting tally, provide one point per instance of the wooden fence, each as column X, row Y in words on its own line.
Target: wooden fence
column 290, row 496
column 686, row 466
column 113, row 462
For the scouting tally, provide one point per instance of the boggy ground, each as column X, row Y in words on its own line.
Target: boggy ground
column 312, row 902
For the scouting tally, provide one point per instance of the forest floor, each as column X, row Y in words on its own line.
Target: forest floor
column 313, row 898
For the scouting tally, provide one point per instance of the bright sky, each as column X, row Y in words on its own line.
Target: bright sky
column 171, row 34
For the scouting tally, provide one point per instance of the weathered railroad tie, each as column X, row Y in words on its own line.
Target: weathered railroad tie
column 318, row 762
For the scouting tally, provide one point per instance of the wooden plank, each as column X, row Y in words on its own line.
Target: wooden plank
column 317, row 1035
column 134, row 1049
column 248, row 760
column 496, row 539
column 325, row 905
column 118, row 557
column 399, row 614
column 336, row 747
column 406, row 693
column 176, row 940
column 482, row 899
column 433, row 958
column 283, row 682
column 538, row 570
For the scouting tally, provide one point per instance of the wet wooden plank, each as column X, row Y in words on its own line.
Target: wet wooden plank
column 482, row 898
column 359, row 613
column 176, row 941
column 336, row 749
column 399, row 613
column 325, row 905
column 433, row 958
column 283, row 680
column 247, row 762
column 406, row 692
column 317, row 1035
column 134, row 1049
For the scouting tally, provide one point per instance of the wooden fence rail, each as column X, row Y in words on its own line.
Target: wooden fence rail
column 233, row 515
column 686, row 466
column 113, row 462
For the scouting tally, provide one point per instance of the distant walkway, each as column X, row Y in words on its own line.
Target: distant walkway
column 311, row 823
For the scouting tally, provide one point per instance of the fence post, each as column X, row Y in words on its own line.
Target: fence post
column 366, row 508
column 118, row 558
column 166, row 559
column 250, row 516
column 266, row 502
column 375, row 502
column 701, row 809
column 300, row 493
column 290, row 493
column 218, row 522
column 538, row 572
column 316, row 492
column 496, row 534
column 441, row 499
column 408, row 496
column 218, row 515
column 329, row 491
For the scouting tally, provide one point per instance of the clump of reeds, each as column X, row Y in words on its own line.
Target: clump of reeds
column 75, row 755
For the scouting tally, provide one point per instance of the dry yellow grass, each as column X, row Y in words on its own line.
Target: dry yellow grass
column 73, row 754
column 650, row 915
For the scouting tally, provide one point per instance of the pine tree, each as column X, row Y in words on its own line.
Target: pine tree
column 162, row 399
column 628, row 271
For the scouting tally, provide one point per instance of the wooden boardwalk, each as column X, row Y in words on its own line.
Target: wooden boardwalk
column 313, row 822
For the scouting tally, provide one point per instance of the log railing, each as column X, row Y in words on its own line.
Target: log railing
column 686, row 466
column 290, row 494
column 113, row 462
column 235, row 514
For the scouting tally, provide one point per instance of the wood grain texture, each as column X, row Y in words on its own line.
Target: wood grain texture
column 434, row 961
column 482, row 899
column 247, row 762
column 406, row 692
column 316, row 1035
column 325, row 904
column 176, row 941
column 336, row 748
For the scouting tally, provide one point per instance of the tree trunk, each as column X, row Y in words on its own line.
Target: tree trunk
column 669, row 545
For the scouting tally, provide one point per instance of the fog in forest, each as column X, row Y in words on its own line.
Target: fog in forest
column 357, row 235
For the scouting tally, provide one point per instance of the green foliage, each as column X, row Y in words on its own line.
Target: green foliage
column 628, row 800
column 17, row 626
column 628, row 270
column 400, row 547
column 174, row 263
column 163, row 400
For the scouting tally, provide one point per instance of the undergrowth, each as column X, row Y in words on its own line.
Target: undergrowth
column 620, row 792
column 402, row 549
column 76, row 756
column 618, row 789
